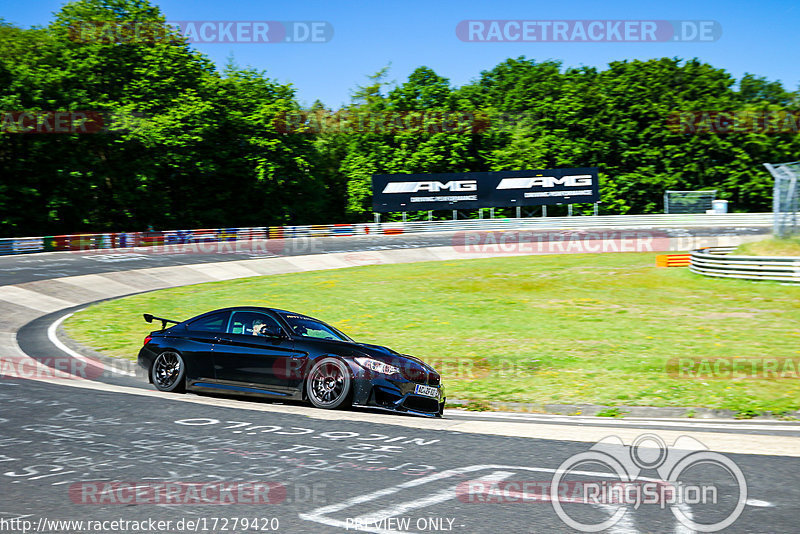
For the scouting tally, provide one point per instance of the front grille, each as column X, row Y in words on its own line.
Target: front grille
column 421, row 404
column 414, row 373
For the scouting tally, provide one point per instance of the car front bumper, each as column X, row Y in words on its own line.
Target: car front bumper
column 396, row 395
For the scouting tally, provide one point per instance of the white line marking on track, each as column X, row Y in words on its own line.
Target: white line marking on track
column 51, row 335
column 625, row 523
column 759, row 504
column 769, row 425
column 322, row 515
column 430, row 500
column 680, row 528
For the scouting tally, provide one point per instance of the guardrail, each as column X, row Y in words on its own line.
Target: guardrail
column 593, row 221
column 717, row 261
column 22, row 245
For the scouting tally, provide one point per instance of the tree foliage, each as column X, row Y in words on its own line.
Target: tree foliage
column 188, row 145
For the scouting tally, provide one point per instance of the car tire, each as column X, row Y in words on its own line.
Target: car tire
column 168, row 372
column 329, row 385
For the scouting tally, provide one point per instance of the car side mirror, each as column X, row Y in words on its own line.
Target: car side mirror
column 272, row 331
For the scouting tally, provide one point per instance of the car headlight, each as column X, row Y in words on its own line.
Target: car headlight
column 377, row 366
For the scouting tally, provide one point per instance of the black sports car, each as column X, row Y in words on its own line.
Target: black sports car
column 281, row 354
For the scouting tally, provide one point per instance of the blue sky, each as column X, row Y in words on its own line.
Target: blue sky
column 757, row 37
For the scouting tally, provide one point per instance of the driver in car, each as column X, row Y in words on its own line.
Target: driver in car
column 257, row 325
column 300, row 330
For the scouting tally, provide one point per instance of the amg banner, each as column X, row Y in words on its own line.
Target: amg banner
column 470, row 190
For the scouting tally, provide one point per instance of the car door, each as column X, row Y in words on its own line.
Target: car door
column 198, row 343
column 263, row 364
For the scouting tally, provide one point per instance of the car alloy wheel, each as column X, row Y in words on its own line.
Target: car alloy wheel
column 168, row 372
column 329, row 384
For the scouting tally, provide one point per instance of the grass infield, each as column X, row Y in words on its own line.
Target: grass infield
column 580, row 328
column 789, row 246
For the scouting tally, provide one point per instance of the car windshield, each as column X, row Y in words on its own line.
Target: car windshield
column 308, row 327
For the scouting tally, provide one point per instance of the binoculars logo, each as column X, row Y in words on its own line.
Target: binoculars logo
column 686, row 458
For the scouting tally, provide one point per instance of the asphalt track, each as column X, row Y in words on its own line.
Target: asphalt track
column 62, row 439
column 44, row 266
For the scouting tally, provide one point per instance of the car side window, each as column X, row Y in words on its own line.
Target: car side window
column 249, row 323
column 216, row 322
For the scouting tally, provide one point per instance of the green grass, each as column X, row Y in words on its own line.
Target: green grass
column 594, row 328
column 771, row 247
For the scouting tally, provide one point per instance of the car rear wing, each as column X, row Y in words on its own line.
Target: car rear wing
column 149, row 318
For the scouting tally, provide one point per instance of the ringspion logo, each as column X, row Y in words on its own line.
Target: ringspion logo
column 682, row 471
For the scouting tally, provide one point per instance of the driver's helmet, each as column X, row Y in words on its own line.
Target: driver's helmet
column 257, row 324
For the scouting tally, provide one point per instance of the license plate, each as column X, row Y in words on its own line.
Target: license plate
column 428, row 391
